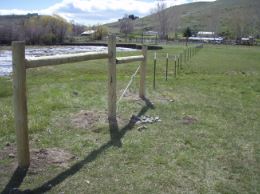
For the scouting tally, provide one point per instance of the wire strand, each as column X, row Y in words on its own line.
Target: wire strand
column 129, row 83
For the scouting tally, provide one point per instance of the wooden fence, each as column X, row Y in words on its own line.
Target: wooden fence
column 21, row 64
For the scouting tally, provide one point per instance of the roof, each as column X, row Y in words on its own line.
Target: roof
column 206, row 38
column 88, row 32
column 206, row 33
column 151, row 33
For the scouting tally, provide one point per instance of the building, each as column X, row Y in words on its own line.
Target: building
column 88, row 33
column 207, row 37
column 151, row 33
column 206, row 34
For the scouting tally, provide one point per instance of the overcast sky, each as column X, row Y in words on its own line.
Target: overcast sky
column 86, row 12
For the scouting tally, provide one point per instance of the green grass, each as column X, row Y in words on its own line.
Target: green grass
column 218, row 153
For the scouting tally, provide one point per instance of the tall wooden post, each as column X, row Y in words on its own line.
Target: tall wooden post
column 112, row 79
column 143, row 73
column 166, row 67
column 175, row 67
column 154, row 69
column 20, row 103
column 181, row 57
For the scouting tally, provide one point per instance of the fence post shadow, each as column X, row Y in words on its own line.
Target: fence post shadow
column 15, row 181
column 116, row 135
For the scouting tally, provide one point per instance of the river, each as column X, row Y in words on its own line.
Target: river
column 6, row 54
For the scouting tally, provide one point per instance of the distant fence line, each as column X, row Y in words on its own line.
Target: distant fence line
column 178, row 61
column 21, row 64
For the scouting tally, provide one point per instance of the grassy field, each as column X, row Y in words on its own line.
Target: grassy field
column 207, row 140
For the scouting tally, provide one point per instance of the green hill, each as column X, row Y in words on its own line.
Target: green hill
column 233, row 17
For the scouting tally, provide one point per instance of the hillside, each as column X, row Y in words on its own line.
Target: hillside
column 236, row 17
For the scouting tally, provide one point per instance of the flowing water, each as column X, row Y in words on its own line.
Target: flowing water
column 6, row 54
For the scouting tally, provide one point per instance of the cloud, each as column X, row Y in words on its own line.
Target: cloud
column 93, row 11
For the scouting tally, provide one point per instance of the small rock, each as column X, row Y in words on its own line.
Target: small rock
column 11, row 155
column 138, row 122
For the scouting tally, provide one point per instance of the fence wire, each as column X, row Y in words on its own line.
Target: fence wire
column 128, row 85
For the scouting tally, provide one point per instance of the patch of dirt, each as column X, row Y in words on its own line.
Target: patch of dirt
column 8, row 151
column 188, row 120
column 54, row 156
column 40, row 158
column 92, row 120
column 86, row 119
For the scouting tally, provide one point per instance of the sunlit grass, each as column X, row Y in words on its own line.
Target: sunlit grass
column 218, row 152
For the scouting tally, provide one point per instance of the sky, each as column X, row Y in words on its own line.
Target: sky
column 87, row 12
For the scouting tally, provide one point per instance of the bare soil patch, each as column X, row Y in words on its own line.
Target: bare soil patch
column 86, row 119
column 93, row 120
column 40, row 158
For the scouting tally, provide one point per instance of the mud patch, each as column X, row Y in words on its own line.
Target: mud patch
column 86, row 119
column 40, row 158
column 188, row 120
column 51, row 156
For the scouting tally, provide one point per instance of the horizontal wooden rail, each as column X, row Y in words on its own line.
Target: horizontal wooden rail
column 121, row 60
column 20, row 64
column 61, row 59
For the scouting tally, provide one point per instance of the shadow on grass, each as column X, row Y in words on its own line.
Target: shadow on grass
column 116, row 136
column 15, row 181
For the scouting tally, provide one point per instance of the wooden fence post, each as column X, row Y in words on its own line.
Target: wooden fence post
column 112, row 80
column 154, row 69
column 20, row 103
column 166, row 67
column 181, row 60
column 178, row 58
column 143, row 73
column 175, row 68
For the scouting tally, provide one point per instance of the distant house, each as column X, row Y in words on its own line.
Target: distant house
column 246, row 41
column 205, row 34
column 206, row 37
column 88, row 33
column 151, row 33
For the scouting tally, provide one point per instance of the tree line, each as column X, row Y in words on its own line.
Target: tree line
column 38, row 29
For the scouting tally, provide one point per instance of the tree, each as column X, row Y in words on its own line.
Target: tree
column 77, row 29
column 126, row 26
column 100, row 32
column 46, row 29
column 162, row 18
column 187, row 33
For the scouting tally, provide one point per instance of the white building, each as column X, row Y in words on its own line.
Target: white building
column 205, row 34
column 88, row 33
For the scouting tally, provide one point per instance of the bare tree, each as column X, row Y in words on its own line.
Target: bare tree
column 162, row 18
column 100, row 32
column 126, row 26
column 175, row 21
column 213, row 22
